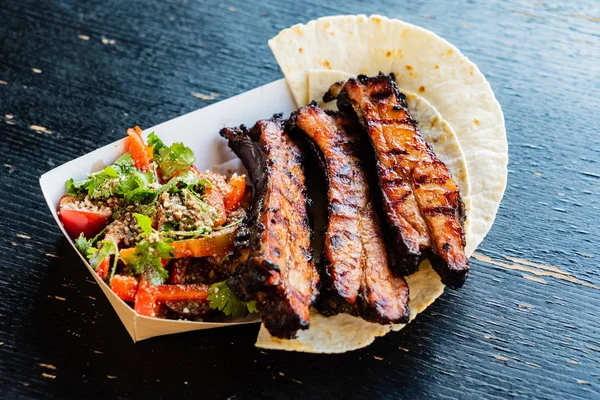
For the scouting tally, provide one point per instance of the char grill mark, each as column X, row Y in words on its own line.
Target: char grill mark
column 355, row 274
column 422, row 201
column 275, row 265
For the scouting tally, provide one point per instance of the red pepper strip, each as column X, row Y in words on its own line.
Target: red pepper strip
column 237, row 183
column 125, row 287
column 146, row 299
column 103, row 268
column 182, row 292
column 206, row 246
column 138, row 149
column 149, row 149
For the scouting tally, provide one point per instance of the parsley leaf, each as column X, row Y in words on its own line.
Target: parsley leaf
column 144, row 222
column 170, row 159
column 147, row 260
column 222, row 298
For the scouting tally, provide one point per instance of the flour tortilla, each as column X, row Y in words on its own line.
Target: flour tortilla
column 471, row 134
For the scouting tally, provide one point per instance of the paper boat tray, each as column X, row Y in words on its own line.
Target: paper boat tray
column 200, row 131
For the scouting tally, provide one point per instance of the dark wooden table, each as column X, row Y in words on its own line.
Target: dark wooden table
column 75, row 74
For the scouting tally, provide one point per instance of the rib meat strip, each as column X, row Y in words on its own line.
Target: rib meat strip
column 422, row 202
column 355, row 275
column 275, row 267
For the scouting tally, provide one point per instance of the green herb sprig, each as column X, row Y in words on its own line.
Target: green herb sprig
column 170, row 159
column 222, row 298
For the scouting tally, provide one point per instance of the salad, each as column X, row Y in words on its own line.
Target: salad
column 158, row 231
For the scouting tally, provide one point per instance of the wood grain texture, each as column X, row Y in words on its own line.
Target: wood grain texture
column 75, row 74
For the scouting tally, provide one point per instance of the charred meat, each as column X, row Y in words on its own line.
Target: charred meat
column 355, row 276
column 275, row 267
column 421, row 200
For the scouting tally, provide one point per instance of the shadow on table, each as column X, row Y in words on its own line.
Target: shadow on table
column 75, row 329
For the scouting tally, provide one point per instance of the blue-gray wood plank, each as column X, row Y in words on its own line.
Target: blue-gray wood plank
column 107, row 65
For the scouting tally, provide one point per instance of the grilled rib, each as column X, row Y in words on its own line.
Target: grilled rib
column 355, row 275
column 276, row 268
column 422, row 202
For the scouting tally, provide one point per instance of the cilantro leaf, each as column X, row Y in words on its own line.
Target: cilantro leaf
column 106, row 248
column 144, row 222
column 222, row 298
column 170, row 159
column 147, row 260
column 251, row 306
column 121, row 178
column 186, row 180
column 124, row 162
column 135, row 186
column 169, row 226
column 84, row 246
column 75, row 188
column 155, row 142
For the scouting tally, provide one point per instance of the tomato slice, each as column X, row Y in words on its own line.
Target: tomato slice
column 87, row 222
column 75, row 221
column 138, row 149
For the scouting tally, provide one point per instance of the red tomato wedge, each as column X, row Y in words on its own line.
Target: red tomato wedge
column 138, row 149
column 90, row 223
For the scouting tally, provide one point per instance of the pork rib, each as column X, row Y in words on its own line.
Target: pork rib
column 276, row 268
column 355, row 275
column 422, row 202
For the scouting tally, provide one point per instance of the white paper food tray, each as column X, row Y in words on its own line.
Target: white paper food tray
column 199, row 130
